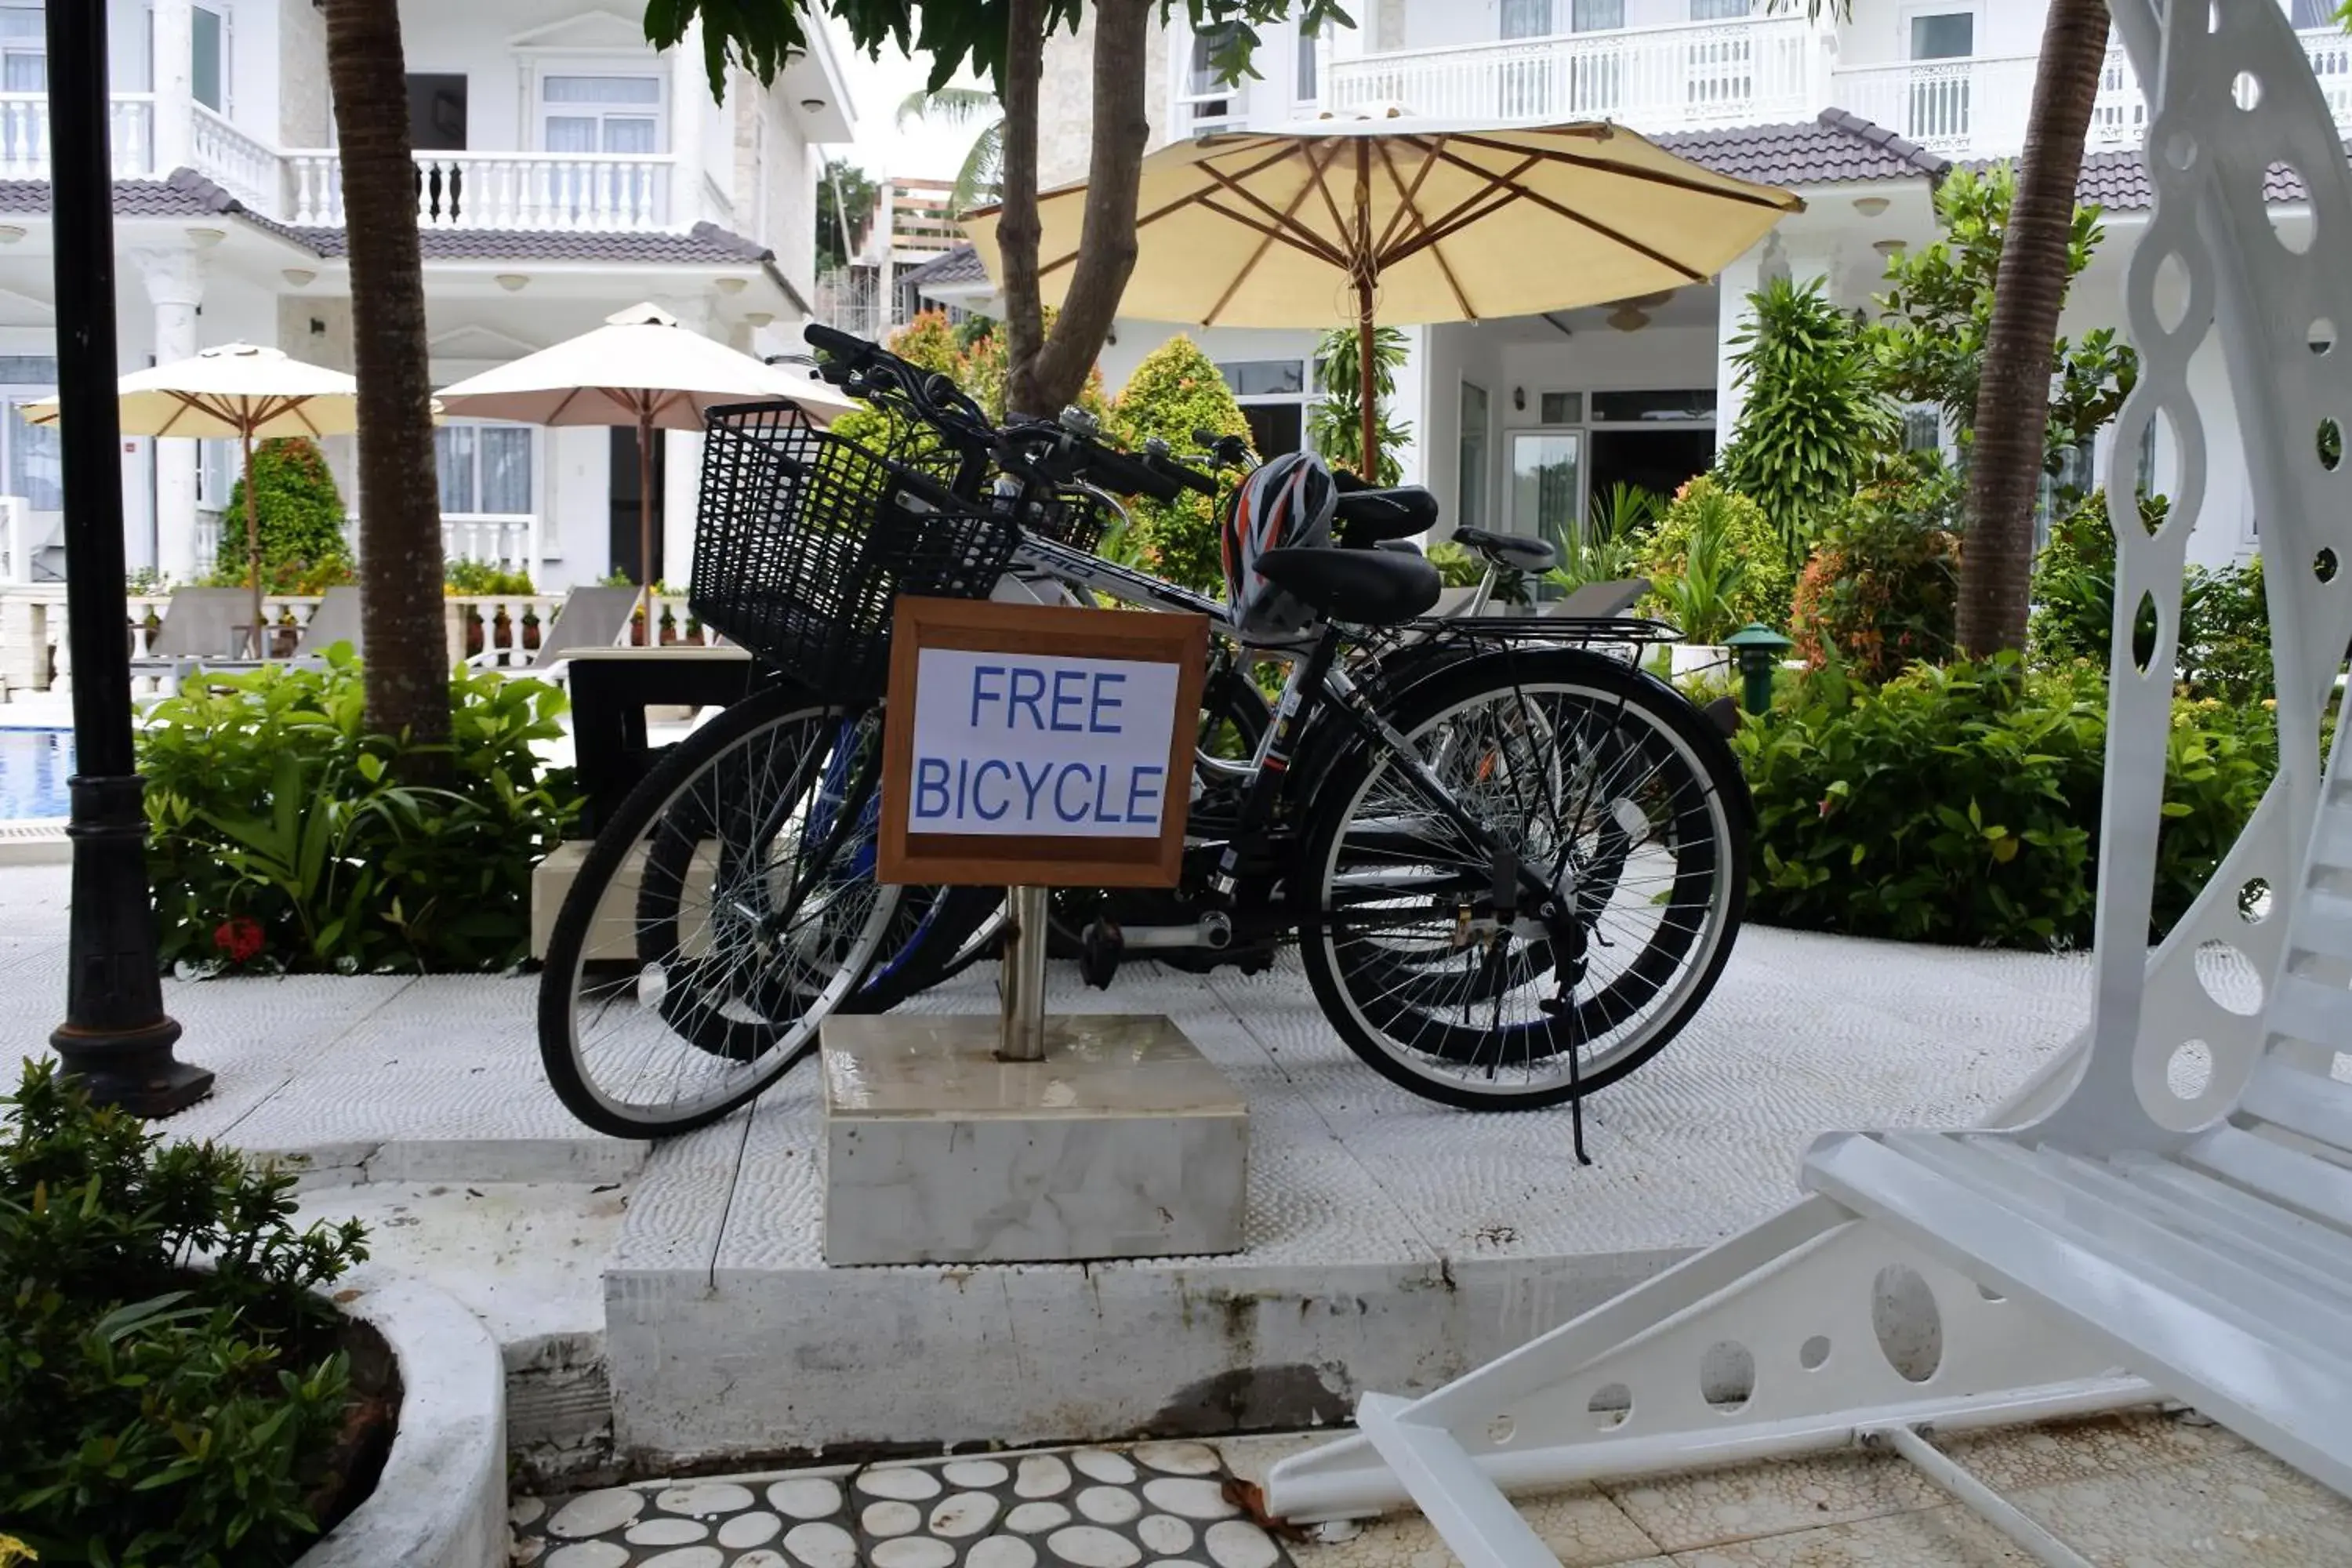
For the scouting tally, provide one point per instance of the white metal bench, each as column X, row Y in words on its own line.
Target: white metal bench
column 2168, row 1214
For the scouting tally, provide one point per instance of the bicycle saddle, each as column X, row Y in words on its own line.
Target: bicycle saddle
column 1512, row 552
column 1364, row 588
column 1364, row 517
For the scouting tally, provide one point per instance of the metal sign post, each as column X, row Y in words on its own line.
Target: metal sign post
column 1025, row 941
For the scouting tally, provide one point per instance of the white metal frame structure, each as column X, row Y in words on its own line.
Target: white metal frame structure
column 2169, row 1215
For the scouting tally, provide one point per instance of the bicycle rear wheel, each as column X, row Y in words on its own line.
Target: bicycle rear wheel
column 753, row 915
column 1608, row 785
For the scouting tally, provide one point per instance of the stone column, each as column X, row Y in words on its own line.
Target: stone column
column 174, row 280
column 174, row 46
column 689, row 86
column 1739, row 278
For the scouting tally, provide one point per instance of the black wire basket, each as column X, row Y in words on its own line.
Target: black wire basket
column 1072, row 518
column 804, row 541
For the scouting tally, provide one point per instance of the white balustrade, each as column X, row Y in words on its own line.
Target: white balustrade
column 509, row 540
column 1652, row 79
column 1977, row 106
column 246, row 168
column 505, row 190
column 25, row 135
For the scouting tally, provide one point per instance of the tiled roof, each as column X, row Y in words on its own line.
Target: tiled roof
column 706, row 242
column 1833, row 149
column 187, row 193
column 2118, row 182
column 960, row 265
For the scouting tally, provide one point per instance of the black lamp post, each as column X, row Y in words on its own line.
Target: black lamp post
column 116, row 1038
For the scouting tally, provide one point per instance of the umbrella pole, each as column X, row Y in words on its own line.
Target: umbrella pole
column 645, row 523
column 252, row 546
column 1370, row 451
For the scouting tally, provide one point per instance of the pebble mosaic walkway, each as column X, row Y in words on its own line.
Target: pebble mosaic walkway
column 1158, row 1504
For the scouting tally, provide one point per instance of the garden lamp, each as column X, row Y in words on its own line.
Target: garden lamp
column 1757, row 648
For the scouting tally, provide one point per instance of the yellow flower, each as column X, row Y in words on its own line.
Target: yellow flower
column 12, row 1551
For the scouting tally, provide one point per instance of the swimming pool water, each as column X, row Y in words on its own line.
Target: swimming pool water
column 34, row 767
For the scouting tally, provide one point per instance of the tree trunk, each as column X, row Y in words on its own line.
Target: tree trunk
column 400, row 509
column 2013, row 392
column 1107, row 246
column 1016, row 226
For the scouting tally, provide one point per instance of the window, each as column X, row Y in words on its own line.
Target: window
column 2311, row 16
column 436, row 112
column 1923, row 428
column 28, row 453
column 484, row 470
column 1690, row 405
column 24, row 50
column 1273, row 395
column 1546, row 483
column 1943, row 35
column 1303, row 87
column 1470, row 476
column 208, row 68
column 1527, row 18
column 219, row 463
column 1561, row 408
column 1720, row 10
column 600, row 113
column 1595, row 15
column 1202, row 79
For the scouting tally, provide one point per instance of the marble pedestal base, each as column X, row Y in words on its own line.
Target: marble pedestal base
column 1123, row 1142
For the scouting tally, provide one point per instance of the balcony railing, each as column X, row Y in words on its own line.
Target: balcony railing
column 1977, row 106
column 503, row 190
column 1652, row 79
column 25, row 135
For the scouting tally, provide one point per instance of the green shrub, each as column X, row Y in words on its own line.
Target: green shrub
column 1742, row 573
column 478, row 577
column 300, row 518
column 1961, row 804
column 280, row 835
column 159, row 1415
column 1813, row 420
column 2225, row 626
column 1456, row 566
column 1335, row 420
column 1174, row 392
column 1880, row 588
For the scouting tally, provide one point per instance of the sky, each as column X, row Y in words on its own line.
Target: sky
column 877, row 86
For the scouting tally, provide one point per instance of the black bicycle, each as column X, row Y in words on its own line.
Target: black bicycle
column 1514, row 867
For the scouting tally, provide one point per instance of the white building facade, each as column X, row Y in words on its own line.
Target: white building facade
column 565, row 170
column 1518, row 423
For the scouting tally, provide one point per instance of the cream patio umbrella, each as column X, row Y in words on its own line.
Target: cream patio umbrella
column 1419, row 221
column 641, row 368
column 238, row 391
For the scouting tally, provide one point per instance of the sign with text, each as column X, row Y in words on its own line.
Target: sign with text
column 1038, row 746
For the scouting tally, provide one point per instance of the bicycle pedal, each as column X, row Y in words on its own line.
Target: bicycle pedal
column 1100, row 948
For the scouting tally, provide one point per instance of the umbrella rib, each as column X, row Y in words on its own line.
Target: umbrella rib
column 1492, row 200
column 1782, row 201
column 1452, row 218
column 1305, row 238
column 1407, row 209
column 1188, row 198
column 1331, row 206
column 1319, row 251
column 1259, row 254
column 1628, row 241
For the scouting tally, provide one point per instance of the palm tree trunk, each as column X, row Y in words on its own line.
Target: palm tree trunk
column 400, row 509
column 2029, row 290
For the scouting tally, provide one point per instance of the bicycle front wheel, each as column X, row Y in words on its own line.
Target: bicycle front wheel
column 724, row 912
column 1607, row 786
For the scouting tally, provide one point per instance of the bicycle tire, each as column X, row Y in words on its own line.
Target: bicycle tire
column 1382, row 987
column 746, row 1027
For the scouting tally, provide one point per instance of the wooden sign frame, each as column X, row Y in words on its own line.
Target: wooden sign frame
column 956, row 860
